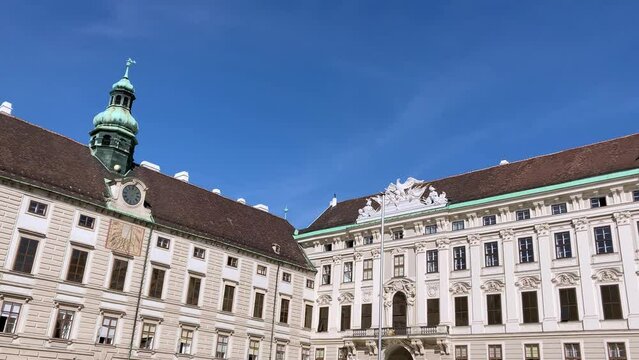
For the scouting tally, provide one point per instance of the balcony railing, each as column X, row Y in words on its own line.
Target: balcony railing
column 403, row 331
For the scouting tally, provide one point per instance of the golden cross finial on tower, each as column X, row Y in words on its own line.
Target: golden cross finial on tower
column 129, row 62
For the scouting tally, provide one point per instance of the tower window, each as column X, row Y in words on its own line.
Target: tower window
column 112, row 102
column 118, row 100
column 126, row 101
column 106, row 140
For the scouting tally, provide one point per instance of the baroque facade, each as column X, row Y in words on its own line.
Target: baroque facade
column 535, row 259
column 101, row 258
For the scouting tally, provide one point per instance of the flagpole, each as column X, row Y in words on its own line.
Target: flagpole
column 381, row 283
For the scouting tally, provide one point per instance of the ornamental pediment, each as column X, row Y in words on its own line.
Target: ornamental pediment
column 401, row 198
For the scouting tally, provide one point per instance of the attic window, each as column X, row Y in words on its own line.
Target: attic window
column 276, row 248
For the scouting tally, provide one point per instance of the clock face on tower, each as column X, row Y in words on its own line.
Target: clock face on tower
column 131, row 194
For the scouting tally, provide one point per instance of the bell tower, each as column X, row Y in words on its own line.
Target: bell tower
column 113, row 136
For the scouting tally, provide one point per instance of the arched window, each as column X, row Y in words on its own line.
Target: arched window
column 112, row 100
column 399, row 313
column 118, row 100
column 126, row 101
column 106, row 140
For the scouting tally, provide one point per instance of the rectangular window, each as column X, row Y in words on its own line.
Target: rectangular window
column 280, row 351
column 199, row 253
column 227, row 300
column 531, row 352
column 254, row 349
column 37, row 208
column 522, row 214
column 598, row 202
column 328, row 247
column 286, row 277
column 310, row 283
column 529, row 307
column 430, row 229
column 603, row 239
column 617, row 351
column 193, row 294
column 319, row 354
column 157, row 283
column 326, row 275
column 559, row 208
column 308, row 316
column 77, row 264
column 458, row 225
column 461, row 311
column 86, row 221
column 306, row 353
column 635, row 195
column 491, row 254
column 63, row 323
column 490, row 220
column 148, row 335
column 494, row 352
column 432, row 312
column 526, row 251
column 611, row 302
column 368, row 239
column 572, row 351
column 459, row 258
column 261, row 270
column 186, row 341
column 346, row 318
column 118, row 274
column 398, row 234
column 9, row 317
column 398, row 265
column 432, row 261
column 568, row 304
column 106, row 335
column 284, row 303
column 25, row 255
column 258, row 305
column 461, row 352
column 563, row 250
column 322, row 325
column 348, row 244
column 493, row 306
column 348, row 272
column 368, row 269
column 163, row 243
column 222, row 346
column 367, row 315
column 230, row 261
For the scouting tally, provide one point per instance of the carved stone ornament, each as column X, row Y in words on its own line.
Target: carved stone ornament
column 417, row 346
column 366, row 296
column 337, row 259
column 622, row 218
column 398, row 251
column 358, row 255
column 459, row 288
column 345, row 298
column 375, row 253
column 565, row 279
column 542, row 229
column 371, row 346
column 432, row 290
column 404, row 285
column 443, row 346
column 443, row 243
column 420, row 247
column 580, row 224
column 324, row 300
column 491, row 286
column 401, row 198
column 528, row 282
column 607, row 275
column 350, row 349
column 507, row 234
column 474, row 239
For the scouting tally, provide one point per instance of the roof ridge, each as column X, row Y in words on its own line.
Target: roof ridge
column 44, row 129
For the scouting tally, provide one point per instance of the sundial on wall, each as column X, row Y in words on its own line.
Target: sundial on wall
column 125, row 238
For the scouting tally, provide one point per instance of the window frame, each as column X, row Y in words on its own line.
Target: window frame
column 145, row 343
column 323, row 320
column 459, row 258
column 495, row 356
column 153, row 284
column 366, row 317
column 192, row 294
column 367, row 272
column 491, row 254
column 73, row 273
column 346, row 314
column 111, row 329
column 532, row 346
column 635, row 195
column 565, row 247
column 258, row 306
column 604, row 241
column 232, row 262
column 399, row 265
column 198, row 253
column 494, row 314
column 432, row 261
column 58, row 324
column 310, row 284
column 621, row 351
column 462, row 316
column 228, row 298
column 85, row 226
column 462, row 354
column 10, row 315
column 432, row 317
column 571, row 346
column 34, row 207
column 527, row 251
column 222, row 344
column 285, row 306
column 308, row 316
column 347, row 269
column 118, row 278
column 253, row 351
column 571, row 310
column 163, row 243
column 430, row 229
column 398, row 234
column 529, row 310
column 489, row 220
column 455, row 225
column 287, row 277
column 22, row 261
column 185, row 343
column 615, row 311
column 326, row 274
column 558, row 208
column 261, row 270
column 598, row 201
column 522, row 214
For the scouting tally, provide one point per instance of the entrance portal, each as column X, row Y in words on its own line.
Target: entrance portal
column 399, row 313
column 399, row 353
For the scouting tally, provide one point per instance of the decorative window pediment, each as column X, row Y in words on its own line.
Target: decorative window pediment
column 345, row 298
column 460, row 288
column 607, row 275
column 404, row 285
column 324, row 299
column 528, row 282
column 565, row 279
column 492, row 286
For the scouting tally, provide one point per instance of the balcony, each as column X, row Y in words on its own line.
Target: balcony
column 414, row 331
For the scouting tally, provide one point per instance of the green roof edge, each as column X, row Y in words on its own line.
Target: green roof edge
column 511, row 195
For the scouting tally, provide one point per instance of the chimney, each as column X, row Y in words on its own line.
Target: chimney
column 333, row 201
column 150, row 165
column 217, row 191
column 6, row 108
column 242, row 201
column 261, row 207
column 182, row 176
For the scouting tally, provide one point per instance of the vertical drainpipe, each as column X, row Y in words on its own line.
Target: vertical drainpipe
column 137, row 305
column 277, row 282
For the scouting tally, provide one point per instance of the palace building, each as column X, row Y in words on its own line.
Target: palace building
column 101, row 258
column 535, row 259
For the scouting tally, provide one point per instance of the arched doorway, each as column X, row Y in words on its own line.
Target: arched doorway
column 399, row 313
column 398, row 353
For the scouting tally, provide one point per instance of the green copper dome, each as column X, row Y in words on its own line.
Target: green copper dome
column 116, row 116
column 124, row 84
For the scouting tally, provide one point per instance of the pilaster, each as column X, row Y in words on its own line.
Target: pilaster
column 334, row 312
column 546, row 254
column 512, row 318
column 358, row 265
column 627, row 249
column 477, row 323
column 588, row 291
column 420, row 276
column 445, row 298
column 376, row 289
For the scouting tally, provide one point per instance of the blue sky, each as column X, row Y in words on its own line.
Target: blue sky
column 288, row 102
